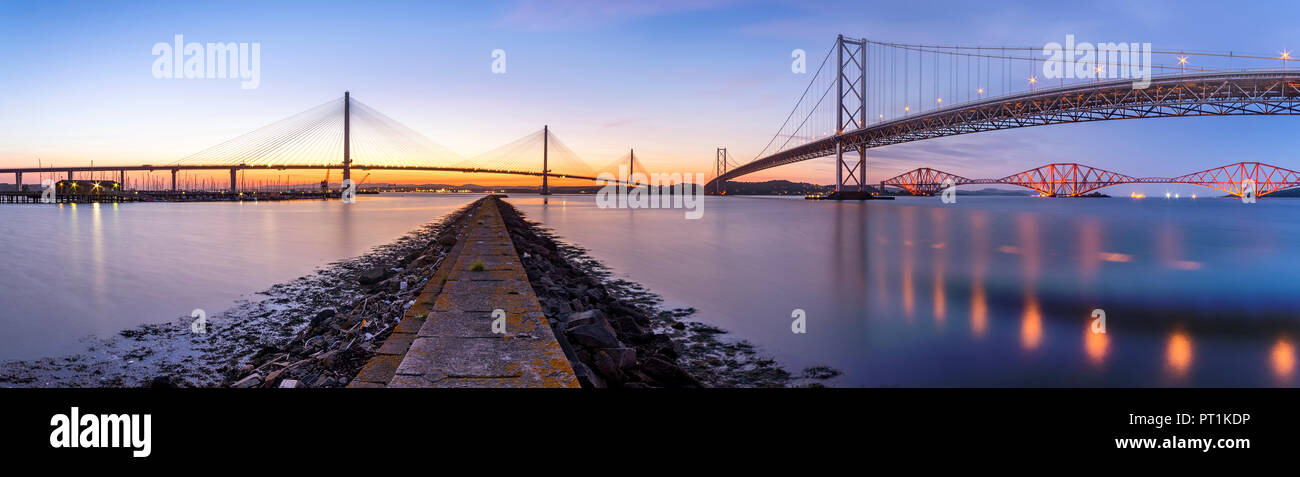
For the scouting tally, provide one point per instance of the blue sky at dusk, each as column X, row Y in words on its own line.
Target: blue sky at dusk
column 674, row 79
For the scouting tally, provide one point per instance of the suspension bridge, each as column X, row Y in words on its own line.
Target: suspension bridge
column 867, row 94
column 347, row 135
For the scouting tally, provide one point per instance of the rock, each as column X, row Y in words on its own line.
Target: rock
column 594, row 336
column 668, row 374
column 586, row 377
column 161, row 382
column 583, row 316
column 331, row 360
column 321, row 316
column 625, row 358
column 597, row 293
column 608, row 367
column 373, row 276
column 290, row 383
column 662, row 345
column 252, row 381
column 272, row 376
column 627, row 327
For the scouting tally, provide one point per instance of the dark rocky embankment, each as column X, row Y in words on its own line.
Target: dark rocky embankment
column 609, row 342
column 335, row 344
column 585, row 305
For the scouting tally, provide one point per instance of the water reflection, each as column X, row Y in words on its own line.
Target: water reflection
column 1031, row 324
column 1090, row 255
column 939, row 220
column 908, row 229
column 95, row 269
column 1026, row 273
column 1282, row 359
column 1095, row 345
column 1178, row 353
column 979, row 253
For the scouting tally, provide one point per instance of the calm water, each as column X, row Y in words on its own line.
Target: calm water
column 986, row 292
column 71, row 271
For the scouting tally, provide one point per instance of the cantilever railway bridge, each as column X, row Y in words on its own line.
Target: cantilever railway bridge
column 1073, row 180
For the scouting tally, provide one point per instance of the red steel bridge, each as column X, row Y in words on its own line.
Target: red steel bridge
column 345, row 134
column 1073, row 180
column 868, row 94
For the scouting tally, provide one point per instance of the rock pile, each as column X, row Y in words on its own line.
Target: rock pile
column 610, row 342
column 335, row 344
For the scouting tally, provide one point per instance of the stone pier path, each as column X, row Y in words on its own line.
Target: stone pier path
column 454, row 345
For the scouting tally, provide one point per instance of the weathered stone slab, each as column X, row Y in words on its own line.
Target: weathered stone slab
column 459, row 357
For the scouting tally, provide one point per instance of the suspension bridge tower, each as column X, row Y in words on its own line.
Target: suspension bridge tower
column 720, row 168
column 850, row 114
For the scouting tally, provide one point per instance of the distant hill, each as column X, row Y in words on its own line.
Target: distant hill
column 777, row 187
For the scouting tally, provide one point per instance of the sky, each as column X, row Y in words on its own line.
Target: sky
column 673, row 79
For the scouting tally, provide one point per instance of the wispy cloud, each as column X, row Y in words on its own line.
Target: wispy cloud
column 547, row 15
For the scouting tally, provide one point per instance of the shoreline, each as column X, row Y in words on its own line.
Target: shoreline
column 318, row 330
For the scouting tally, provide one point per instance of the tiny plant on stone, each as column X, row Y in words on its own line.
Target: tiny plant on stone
column 477, row 266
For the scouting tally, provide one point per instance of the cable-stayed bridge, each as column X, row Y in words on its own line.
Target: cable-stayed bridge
column 867, row 94
column 348, row 135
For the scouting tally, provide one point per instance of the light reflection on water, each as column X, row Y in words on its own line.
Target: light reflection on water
column 74, row 270
column 986, row 292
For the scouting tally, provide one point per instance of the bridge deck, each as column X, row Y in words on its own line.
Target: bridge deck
column 455, row 346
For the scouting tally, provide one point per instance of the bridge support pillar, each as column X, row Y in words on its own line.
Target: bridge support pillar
column 546, row 133
column 69, row 175
column 347, row 135
column 233, row 187
column 862, row 169
column 839, row 167
column 18, row 181
column 174, row 180
column 121, row 179
column 720, row 168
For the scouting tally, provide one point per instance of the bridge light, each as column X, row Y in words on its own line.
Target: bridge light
column 1182, row 60
column 907, row 108
column 1033, row 80
column 938, row 100
column 1286, row 55
column 980, row 91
